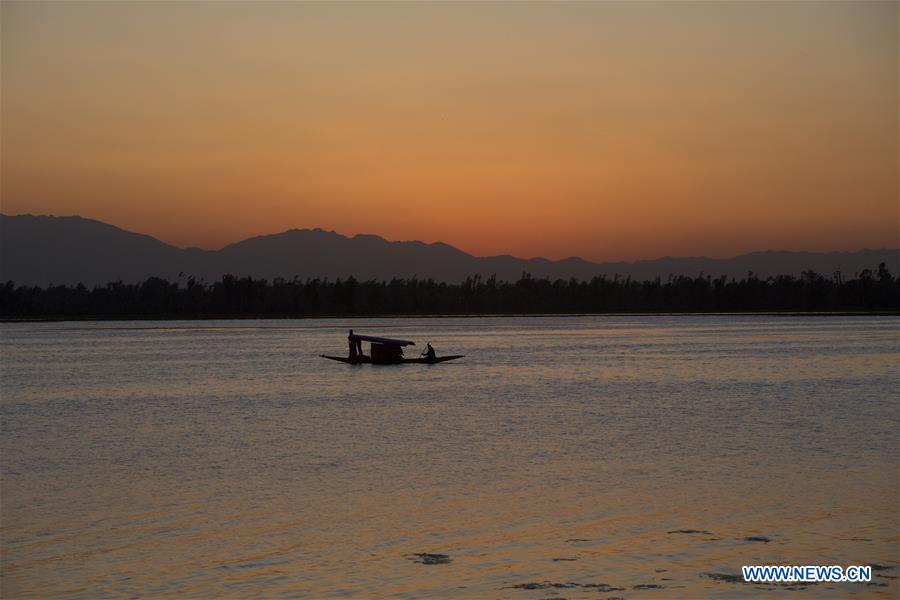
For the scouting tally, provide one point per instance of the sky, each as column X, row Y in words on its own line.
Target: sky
column 607, row 130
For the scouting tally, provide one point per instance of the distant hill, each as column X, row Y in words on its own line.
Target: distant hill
column 43, row 250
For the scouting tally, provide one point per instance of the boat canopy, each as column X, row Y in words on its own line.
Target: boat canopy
column 383, row 340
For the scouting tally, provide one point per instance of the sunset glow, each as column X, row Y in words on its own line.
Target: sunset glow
column 603, row 130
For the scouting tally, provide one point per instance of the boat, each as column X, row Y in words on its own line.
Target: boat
column 365, row 360
column 388, row 351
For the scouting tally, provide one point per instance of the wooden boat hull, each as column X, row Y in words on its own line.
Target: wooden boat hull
column 431, row 361
column 361, row 360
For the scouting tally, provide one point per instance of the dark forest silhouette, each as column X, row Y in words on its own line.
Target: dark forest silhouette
column 869, row 290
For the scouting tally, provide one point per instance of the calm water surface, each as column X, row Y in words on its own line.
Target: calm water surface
column 225, row 459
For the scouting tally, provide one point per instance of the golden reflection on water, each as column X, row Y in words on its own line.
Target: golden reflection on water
column 220, row 460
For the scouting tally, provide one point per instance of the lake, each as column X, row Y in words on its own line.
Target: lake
column 576, row 457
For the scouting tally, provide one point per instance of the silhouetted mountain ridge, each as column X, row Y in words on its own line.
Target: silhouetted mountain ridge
column 44, row 250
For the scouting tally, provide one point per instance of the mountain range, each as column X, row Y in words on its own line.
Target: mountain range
column 48, row 250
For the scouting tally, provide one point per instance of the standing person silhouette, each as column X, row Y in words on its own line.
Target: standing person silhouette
column 354, row 344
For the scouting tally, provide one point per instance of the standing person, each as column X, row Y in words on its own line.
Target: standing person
column 354, row 343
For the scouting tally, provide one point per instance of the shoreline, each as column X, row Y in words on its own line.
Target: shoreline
column 262, row 317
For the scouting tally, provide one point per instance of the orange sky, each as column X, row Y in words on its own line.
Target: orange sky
column 603, row 130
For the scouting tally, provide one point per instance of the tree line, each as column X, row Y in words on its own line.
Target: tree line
column 869, row 290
